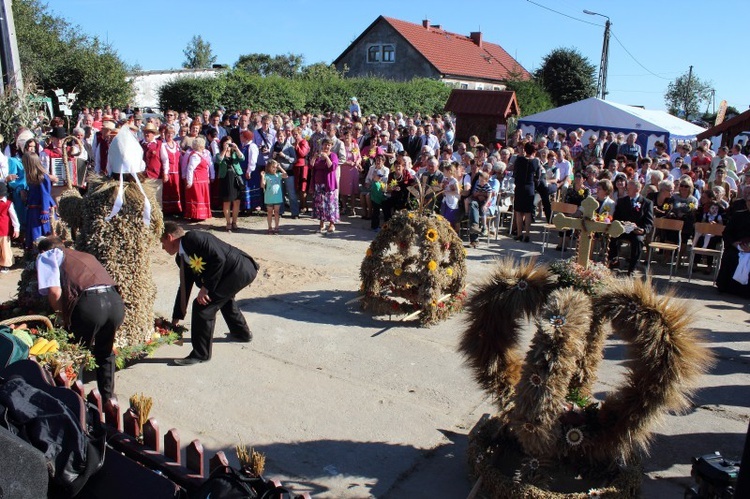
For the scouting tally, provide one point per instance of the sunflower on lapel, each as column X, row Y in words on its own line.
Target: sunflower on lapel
column 197, row 264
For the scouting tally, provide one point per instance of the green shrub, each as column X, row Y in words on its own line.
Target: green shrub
column 319, row 92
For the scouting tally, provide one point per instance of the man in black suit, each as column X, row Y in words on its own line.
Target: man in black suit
column 639, row 211
column 221, row 271
column 412, row 144
column 610, row 148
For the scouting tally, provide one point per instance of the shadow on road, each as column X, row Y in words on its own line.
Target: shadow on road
column 369, row 469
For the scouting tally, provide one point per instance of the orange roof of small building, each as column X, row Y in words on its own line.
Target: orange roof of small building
column 459, row 55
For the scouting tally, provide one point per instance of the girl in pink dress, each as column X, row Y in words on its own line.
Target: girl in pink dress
column 200, row 172
column 351, row 168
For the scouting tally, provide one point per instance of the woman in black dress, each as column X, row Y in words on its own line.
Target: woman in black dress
column 228, row 168
column 526, row 172
column 736, row 239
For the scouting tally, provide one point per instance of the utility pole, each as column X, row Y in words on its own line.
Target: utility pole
column 10, row 65
column 687, row 92
column 601, row 86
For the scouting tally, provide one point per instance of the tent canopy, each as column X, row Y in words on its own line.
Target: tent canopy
column 596, row 114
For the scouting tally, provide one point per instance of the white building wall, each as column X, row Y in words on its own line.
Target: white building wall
column 147, row 83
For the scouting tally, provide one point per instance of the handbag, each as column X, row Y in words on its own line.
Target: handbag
column 227, row 483
column 239, row 183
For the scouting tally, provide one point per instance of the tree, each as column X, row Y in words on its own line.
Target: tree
column 710, row 118
column 532, row 98
column 686, row 95
column 286, row 66
column 55, row 54
column 198, row 54
column 322, row 71
column 567, row 76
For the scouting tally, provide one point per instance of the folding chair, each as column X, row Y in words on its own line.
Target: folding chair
column 714, row 230
column 564, row 208
column 495, row 221
column 664, row 226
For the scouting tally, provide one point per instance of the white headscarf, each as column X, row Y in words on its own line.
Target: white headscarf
column 126, row 156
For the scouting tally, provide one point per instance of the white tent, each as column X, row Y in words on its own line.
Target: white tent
column 595, row 114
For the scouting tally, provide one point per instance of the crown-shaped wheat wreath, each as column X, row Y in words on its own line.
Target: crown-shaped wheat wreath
column 533, row 394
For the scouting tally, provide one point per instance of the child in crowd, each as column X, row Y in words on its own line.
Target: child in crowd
column 711, row 215
column 377, row 197
column 270, row 182
column 377, row 166
column 482, row 195
column 451, row 196
column 9, row 226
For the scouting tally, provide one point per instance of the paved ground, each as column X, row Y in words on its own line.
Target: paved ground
column 344, row 405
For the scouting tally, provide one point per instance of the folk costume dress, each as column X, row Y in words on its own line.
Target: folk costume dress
column 200, row 172
column 8, row 224
column 152, row 157
column 18, row 188
column 170, row 164
column 38, row 212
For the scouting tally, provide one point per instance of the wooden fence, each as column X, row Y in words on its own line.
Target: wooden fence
column 161, row 455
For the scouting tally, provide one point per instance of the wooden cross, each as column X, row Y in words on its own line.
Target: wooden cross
column 588, row 227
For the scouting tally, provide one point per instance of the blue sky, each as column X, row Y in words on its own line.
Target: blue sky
column 653, row 42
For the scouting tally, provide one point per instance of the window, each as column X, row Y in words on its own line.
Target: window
column 389, row 53
column 464, row 86
column 373, row 53
column 479, row 86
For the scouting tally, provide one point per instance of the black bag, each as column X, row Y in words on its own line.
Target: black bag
column 239, row 182
column 228, row 483
column 56, row 421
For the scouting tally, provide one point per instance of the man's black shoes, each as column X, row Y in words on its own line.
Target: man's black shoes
column 239, row 337
column 188, row 361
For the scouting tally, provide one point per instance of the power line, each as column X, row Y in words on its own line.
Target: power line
column 563, row 14
column 642, row 74
column 636, row 60
column 636, row 91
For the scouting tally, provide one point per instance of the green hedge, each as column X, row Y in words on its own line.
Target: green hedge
column 237, row 89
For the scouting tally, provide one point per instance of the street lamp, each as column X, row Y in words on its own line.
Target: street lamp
column 601, row 87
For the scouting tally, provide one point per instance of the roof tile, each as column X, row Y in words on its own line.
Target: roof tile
column 458, row 55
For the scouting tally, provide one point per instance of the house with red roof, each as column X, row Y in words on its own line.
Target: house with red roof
column 398, row 50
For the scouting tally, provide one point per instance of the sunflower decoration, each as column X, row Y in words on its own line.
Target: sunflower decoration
column 197, row 264
column 415, row 265
column 574, row 437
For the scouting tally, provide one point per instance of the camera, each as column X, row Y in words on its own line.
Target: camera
column 715, row 477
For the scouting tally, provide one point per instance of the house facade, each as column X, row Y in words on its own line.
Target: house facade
column 398, row 50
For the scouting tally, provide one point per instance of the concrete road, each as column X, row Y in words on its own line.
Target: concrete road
column 347, row 405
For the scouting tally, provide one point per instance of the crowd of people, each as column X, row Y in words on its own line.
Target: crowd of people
column 345, row 165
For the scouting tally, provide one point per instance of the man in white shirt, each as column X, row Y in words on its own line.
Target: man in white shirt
column 429, row 139
column 740, row 160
